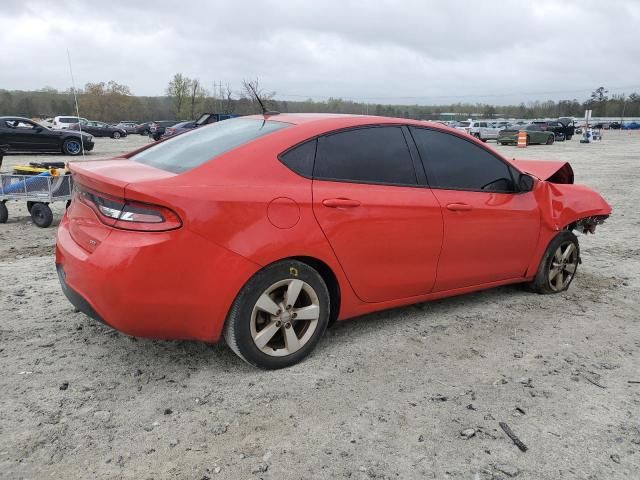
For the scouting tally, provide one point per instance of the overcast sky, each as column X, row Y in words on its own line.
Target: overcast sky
column 376, row 51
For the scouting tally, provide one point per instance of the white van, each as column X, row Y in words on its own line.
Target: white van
column 63, row 122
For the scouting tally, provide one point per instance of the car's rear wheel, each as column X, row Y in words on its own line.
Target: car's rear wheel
column 279, row 315
column 559, row 264
column 551, row 139
column 72, row 146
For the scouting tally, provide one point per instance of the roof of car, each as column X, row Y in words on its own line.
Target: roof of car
column 7, row 117
column 338, row 120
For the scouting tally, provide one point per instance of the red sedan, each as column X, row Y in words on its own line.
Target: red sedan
column 265, row 230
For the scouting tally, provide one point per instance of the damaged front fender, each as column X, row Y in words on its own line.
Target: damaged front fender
column 564, row 205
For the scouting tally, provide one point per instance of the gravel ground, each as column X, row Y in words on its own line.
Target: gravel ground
column 383, row 396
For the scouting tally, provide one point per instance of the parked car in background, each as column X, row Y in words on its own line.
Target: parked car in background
column 156, row 129
column 334, row 228
column 47, row 122
column 484, row 130
column 630, row 126
column 64, row 122
column 24, row 135
column 615, row 125
column 465, row 126
column 535, row 135
column 143, row 128
column 178, row 128
column 99, row 129
column 128, row 126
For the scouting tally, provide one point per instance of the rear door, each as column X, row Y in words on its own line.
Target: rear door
column 384, row 226
column 490, row 231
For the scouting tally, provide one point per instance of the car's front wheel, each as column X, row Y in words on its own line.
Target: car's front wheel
column 116, row 135
column 72, row 146
column 559, row 264
column 279, row 315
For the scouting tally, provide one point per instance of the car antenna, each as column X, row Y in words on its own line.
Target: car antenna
column 75, row 99
column 265, row 112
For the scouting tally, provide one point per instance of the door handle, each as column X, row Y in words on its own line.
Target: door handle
column 459, row 207
column 340, row 203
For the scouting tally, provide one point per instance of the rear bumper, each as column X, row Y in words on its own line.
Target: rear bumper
column 169, row 285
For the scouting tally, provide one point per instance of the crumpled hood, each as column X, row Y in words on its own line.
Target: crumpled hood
column 550, row 170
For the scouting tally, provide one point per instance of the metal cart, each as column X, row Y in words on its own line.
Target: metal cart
column 38, row 191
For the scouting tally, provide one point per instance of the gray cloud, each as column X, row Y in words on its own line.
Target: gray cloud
column 383, row 51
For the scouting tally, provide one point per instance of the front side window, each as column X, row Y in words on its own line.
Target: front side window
column 378, row 155
column 454, row 163
column 191, row 149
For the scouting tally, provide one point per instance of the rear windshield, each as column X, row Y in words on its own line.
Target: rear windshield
column 189, row 150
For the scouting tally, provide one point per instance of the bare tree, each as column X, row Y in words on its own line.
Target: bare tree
column 196, row 95
column 252, row 91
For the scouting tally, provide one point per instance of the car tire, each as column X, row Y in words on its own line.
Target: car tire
column 556, row 272
column 528, row 140
column 263, row 330
column 4, row 213
column 551, row 139
column 116, row 135
column 72, row 146
column 41, row 215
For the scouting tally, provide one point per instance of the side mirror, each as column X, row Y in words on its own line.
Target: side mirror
column 39, row 129
column 525, row 182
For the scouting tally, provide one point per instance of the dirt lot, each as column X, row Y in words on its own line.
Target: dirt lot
column 384, row 396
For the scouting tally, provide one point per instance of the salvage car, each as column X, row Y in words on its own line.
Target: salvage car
column 99, row 129
column 536, row 134
column 24, row 135
column 266, row 229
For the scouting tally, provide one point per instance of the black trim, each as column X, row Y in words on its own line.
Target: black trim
column 75, row 298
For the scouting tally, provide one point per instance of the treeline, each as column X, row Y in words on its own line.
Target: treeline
column 186, row 98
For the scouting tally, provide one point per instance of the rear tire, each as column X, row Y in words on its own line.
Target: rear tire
column 551, row 139
column 266, row 332
column 559, row 264
column 41, row 214
column 4, row 213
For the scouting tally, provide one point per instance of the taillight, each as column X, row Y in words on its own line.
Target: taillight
column 127, row 214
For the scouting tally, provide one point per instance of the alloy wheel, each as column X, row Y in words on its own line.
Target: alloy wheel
column 563, row 266
column 285, row 317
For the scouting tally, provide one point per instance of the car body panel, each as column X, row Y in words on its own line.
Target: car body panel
column 245, row 210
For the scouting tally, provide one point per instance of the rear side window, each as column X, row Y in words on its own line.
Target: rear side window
column 191, row 149
column 457, row 164
column 365, row 155
column 300, row 159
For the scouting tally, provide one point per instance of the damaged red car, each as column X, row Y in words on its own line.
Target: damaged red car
column 266, row 229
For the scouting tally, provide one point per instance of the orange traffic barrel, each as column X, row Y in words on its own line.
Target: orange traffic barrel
column 522, row 140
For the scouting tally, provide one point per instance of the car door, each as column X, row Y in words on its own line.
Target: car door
column 384, row 226
column 490, row 230
column 25, row 135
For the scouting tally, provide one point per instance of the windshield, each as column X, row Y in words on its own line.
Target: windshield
column 192, row 149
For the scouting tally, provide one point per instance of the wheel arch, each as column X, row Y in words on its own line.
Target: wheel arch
column 330, row 280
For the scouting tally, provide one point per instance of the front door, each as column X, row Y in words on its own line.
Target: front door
column 490, row 230
column 385, row 228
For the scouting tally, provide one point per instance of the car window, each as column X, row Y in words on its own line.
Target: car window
column 378, row 155
column 191, row 149
column 300, row 159
column 457, row 164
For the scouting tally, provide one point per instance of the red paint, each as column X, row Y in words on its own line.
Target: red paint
column 386, row 245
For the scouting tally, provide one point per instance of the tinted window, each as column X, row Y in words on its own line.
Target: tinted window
column 454, row 163
column 191, row 149
column 367, row 155
column 300, row 159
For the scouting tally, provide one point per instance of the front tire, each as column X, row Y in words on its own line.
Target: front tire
column 116, row 135
column 72, row 146
column 4, row 213
column 279, row 315
column 559, row 264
